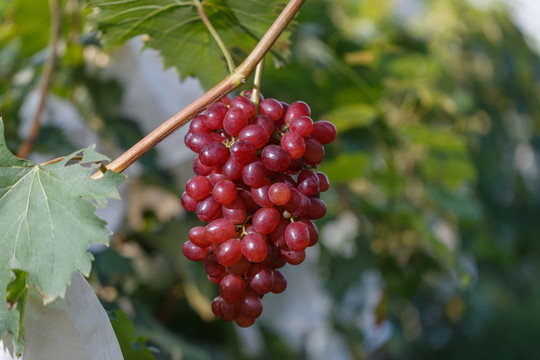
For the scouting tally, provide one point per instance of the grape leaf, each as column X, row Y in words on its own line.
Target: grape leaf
column 46, row 226
column 133, row 347
column 31, row 24
column 175, row 29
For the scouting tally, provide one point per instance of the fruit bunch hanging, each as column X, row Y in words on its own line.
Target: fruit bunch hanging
column 257, row 187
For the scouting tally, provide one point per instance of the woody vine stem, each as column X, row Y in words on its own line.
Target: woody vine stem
column 231, row 82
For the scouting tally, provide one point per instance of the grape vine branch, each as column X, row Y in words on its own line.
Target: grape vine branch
column 230, row 83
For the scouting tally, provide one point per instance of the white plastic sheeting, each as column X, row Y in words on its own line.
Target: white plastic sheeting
column 76, row 327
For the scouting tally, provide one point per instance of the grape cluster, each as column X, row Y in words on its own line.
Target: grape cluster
column 257, row 187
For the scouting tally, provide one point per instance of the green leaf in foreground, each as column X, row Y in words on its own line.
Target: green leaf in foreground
column 175, row 29
column 132, row 346
column 47, row 223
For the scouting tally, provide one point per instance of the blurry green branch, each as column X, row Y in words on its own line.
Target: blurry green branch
column 56, row 26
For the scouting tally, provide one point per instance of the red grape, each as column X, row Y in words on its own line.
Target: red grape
column 224, row 191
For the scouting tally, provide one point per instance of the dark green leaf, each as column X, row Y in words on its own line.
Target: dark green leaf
column 132, row 346
column 177, row 31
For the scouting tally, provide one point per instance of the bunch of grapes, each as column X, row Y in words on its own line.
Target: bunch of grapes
column 257, row 187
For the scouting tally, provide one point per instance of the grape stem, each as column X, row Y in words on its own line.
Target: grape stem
column 215, row 35
column 257, row 84
column 231, row 82
column 56, row 26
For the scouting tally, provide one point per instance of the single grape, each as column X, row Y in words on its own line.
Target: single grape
column 293, row 257
column 275, row 158
column 244, row 321
column 265, row 122
column 217, row 175
column 295, row 166
column 208, row 209
column 272, row 108
column 241, row 267
column 216, row 279
column 188, row 203
column 197, row 141
column 211, row 265
column 243, row 151
column 216, row 306
column 296, row 109
column 219, row 230
column 278, row 234
column 294, row 144
column 286, row 179
column 279, row 193
column 228, row 310
column 255, row 134
column 266, row 220
column 225, row 99
column 198, row 125
column 250, row 305
column 200, row 169
column 198, row 187
column 254, row 247
column 214, row 154
column 193, row 252
column 214, row 115
column 260, row 278
column 218, row 137
column 324, row 131
column 313, row 231
column 297, row 236
column 235, row 211
column 224, row 191
column 235, row 120
column 314, row 151
column 245, row 104
column 260, row 195
column 254, row 174
column 251, row 206
column 196, row 236
column 302, row 125
column 273, row 259
column 280, row 282
column 324, row 183
column 298, row 205
column 317, row 209
column 232, row 287
column 230, row 252
column 308, row 182
column 232, row 169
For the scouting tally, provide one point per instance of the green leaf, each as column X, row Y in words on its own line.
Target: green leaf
column 352, row 116
column 132, row 346
column 175, row 29
column 16, row 295
column 439, row 139
column 346, row 167
column 465, row 207
column 31, row 23
column 46, row 226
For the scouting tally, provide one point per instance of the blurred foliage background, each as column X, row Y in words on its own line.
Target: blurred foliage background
column 430, row 245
